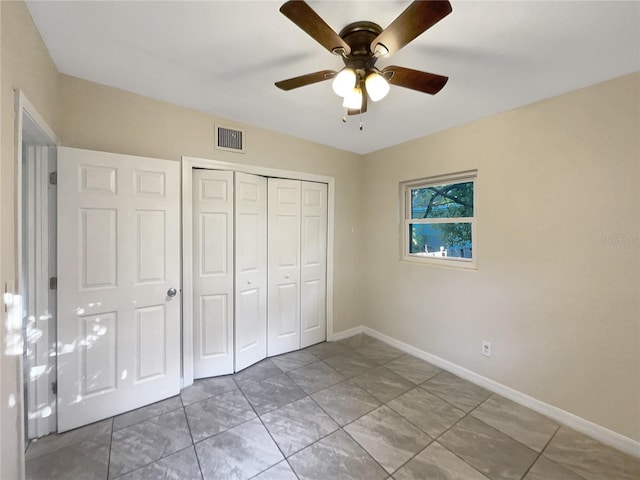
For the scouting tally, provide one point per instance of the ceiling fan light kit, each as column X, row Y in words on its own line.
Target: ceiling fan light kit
column 353, row 99
column 361, row 44
column 344, row 82
column 377, row 86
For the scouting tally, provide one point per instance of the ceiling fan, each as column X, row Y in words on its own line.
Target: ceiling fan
column 361, row 44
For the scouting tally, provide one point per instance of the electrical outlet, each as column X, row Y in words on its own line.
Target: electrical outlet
column 486, row 348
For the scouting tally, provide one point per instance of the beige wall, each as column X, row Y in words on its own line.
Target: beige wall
column 87, row 115
column 96, row 117
column 557, row 291
column 26, row 65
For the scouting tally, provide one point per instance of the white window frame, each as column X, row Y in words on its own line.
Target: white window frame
column 406, row 220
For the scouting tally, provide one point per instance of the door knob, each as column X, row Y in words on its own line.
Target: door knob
column 287, row 276
column 171, row 292
column 248, row 282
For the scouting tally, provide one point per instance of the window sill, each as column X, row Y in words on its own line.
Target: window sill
column 440, row 263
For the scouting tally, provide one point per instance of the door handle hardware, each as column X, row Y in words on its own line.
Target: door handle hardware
column 171, row 292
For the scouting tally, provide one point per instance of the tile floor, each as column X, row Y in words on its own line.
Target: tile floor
column 355, row 409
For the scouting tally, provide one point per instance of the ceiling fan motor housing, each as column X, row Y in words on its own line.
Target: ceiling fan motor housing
column 358, row 36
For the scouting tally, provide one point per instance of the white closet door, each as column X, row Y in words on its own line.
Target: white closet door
column 118, row 345
column 212, row 272
column 313, row 273
column 251, row 269
column 284, row 266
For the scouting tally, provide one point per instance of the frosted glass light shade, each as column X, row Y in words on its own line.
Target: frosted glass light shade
column 344, row 82
column 377, row 86
column 353, row 99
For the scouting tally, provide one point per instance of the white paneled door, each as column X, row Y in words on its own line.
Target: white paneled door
column 313, row 264
column 118, row 284
column 251, row 270
column 284, row 266
column 213, row 273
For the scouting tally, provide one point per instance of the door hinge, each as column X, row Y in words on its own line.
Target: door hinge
column 53, row 178
column 53, row 283
column 7, row 298
column 54, row 388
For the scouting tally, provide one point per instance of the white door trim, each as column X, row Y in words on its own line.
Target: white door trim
column 27, row 116
column 188, row 164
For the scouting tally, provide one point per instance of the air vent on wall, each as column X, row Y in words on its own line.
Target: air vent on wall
column 230, row 139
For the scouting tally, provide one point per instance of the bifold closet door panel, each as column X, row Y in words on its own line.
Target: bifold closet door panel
column 313, row 281
column 251, row 269
column 284, row 266
column 213, row 300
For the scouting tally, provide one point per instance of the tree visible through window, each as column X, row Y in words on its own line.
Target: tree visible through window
column 439, row 220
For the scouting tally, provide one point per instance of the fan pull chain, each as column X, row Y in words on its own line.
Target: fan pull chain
column 346, row 115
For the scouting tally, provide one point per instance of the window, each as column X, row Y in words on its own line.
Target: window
column 439, row 220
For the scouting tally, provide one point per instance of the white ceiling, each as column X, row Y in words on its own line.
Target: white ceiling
column 223, row 57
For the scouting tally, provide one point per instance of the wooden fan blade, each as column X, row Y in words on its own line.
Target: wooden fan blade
column 418, row 17
column 308, row 79
column 415, row 79
column 300, row 13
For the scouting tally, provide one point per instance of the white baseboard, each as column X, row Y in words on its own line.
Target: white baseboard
column 348, row 333
column 598, row 432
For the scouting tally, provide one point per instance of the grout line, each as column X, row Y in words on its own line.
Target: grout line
column 367, row 452
column 406, row 419
column 423, row 385
column 223, row 431
column 459, row 457
column 550, row 438
column 292, row 469
column 357, row 418
column 542, row 451
column 148, row 418
column 497, row 430
column 415, row 426
column 267, row 430
column 469, row 414
column 110, row 445
column 341, row 428
column 435, row 439
column 156, row 461
column 466, row 414
column 163, row 456
column 367, row 370
column 414, row 456
column 193, row 445
column 195, row 452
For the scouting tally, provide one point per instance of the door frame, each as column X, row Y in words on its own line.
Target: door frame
column 188, row 164
column 31, row 128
